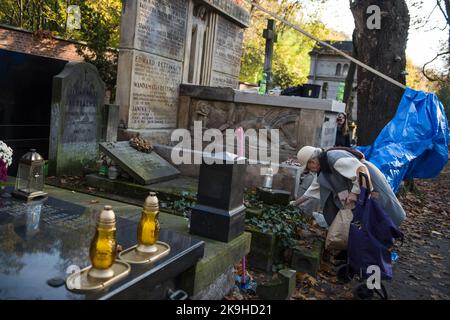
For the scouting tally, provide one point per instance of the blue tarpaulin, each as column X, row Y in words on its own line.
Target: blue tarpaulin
column 414, row 144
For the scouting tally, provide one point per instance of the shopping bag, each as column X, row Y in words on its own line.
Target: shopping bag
column 371, row 237
column 337, row 237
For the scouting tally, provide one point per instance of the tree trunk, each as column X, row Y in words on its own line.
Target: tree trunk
column 348, row 91
column 383, row 49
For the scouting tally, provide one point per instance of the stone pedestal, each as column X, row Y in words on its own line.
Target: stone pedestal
column 220, row 211
column 273, row 196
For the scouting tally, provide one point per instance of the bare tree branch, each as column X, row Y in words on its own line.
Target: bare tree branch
column 443, row 11
column 424, row 66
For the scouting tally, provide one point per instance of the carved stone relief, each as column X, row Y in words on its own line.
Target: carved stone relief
column 222, row 116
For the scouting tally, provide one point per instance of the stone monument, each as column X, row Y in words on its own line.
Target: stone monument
column 76, row 117
column 165, row 43
column 220, row 212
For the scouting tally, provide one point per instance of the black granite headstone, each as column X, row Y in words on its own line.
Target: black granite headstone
column 220, row 211
column 25, row 102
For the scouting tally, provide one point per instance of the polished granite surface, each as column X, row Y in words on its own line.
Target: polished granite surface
column 46, row 239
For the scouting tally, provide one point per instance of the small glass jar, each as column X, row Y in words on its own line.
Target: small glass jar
column 113, row 172
column 268, row 178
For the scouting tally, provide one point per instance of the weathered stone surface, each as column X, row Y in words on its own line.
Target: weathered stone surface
column 264, row 250
column 289, row 278
column 233, row 10
column 146, row 168
column 110, row 122
column 76, row 120
column 223, row 80
column 153, row 36
column 168, row 191
column 273, row 196
column 207, row 93
column 219, row 288
column 218, row 258
column 228, row 47
column 148, row 90
column 307, row 260
column 226, row 61
column 155, row 26
column 280, row 287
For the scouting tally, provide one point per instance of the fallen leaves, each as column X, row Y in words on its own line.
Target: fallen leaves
column 306, row 279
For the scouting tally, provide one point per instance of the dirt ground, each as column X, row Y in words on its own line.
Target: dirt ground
column 423, row 268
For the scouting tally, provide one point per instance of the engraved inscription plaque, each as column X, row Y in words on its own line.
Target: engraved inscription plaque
column 154, row 91
column 161, row 27
column 228, row 47
column 146, row 168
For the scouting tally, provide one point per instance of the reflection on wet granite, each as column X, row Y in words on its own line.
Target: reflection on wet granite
column 41, row 240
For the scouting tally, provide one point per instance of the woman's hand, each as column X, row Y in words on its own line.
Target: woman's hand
column 298, row 201
column 351, row 199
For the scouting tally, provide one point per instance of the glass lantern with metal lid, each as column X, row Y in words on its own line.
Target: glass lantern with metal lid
column 30, row 176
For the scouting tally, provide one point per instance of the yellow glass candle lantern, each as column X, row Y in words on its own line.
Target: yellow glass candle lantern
column 148, row 228
column 103, row 246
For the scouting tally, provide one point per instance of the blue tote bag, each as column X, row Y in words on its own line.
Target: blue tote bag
column 372, row 235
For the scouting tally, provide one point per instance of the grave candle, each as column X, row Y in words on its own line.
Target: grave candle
column 148, row 228
column 103, row 246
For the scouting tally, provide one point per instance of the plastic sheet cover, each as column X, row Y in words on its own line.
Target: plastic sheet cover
column 414, row 144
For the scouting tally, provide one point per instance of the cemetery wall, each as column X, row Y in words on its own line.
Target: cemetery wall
column 18, row 40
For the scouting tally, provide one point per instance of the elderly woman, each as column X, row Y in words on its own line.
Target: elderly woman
column 337, row 183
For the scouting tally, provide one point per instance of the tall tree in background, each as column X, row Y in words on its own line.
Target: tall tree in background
column 384, row 49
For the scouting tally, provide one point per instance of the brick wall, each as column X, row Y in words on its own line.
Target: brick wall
column 18, row 40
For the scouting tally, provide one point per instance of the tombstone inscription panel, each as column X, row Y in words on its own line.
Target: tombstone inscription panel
column 146, row 168
column 219, row 79
column 78, row 95
column 161, row 27
column 228, row 47
column 226, row 61
column 154, row 92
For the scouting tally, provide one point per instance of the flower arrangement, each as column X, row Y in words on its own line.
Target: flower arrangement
column 6, row 154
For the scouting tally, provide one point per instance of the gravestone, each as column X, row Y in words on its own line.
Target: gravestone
column 157, row 52
column 152, row 45
column 25, row 102
column 220, row 212
column 145, row 168
column 76, row 118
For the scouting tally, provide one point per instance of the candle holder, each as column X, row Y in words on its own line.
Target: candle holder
column 148, row 249
column 105, row 269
